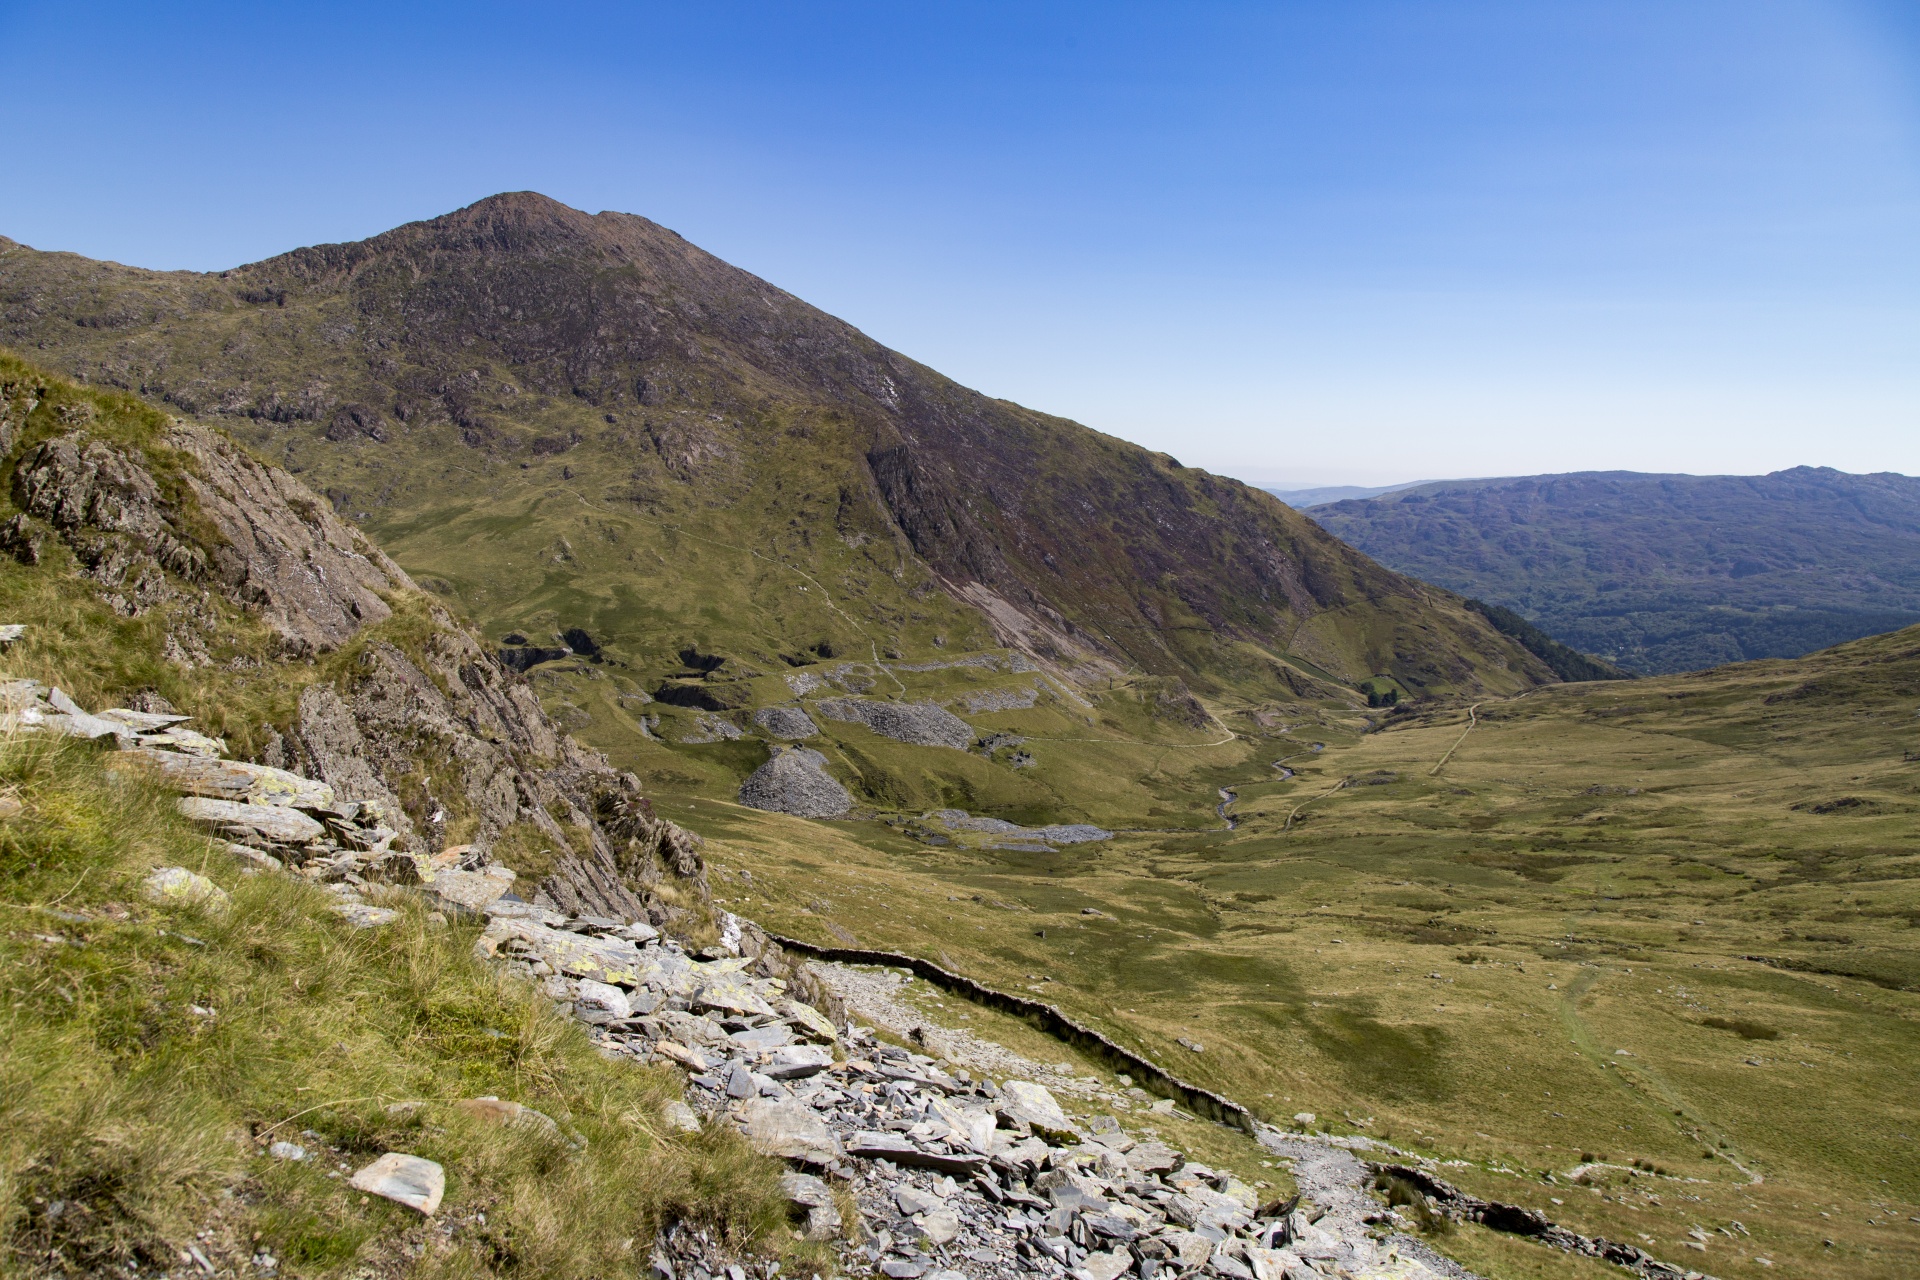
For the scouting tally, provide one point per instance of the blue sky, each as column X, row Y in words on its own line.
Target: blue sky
column 1340, row 241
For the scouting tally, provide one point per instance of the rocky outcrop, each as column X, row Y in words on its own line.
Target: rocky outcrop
column 418, row 720
column 213, row 517
column 796, row 781
column 920, row 723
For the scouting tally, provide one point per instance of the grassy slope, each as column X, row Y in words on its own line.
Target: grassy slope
column 154, row 1051
column 1584, row 875
column 1664, row 573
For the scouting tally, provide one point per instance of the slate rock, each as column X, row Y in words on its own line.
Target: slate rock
column 273, row 823
column 1190, row 1248
column 912, row 1200
column 595, row 1001
column 364, row 916
column 1278, row 1264
column 771, row 1036
column 1023, row 1102
column 1153, row 1157
column 740, row 1082
column 469, row 890
column 790, row 1130
column 404, row 1179
column 810, row 1021
column 871, row 1144
column 231, row 779
column 797, row 1061
column 1225, row 1264
column 942, row 1226
column 1106, row 1266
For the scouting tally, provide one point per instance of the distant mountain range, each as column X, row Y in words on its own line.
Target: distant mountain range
column 1300, row 499
column 1663, row 573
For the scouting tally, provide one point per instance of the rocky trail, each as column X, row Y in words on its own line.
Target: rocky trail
column 958, row 1163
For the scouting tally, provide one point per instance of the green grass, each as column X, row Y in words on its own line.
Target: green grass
column 153, row 1051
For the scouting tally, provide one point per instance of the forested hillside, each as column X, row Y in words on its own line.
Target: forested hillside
column 1662, row 573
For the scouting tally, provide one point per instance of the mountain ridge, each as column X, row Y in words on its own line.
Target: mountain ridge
column 605, row 353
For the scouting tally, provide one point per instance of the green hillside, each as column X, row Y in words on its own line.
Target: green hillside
column 1663, row 573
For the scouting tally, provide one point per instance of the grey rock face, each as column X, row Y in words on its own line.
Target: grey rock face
column 920, row 723
column 796, row 781
column 786, row 722
column 284, row 555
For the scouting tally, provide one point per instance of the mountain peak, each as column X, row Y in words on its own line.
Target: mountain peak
column 512, row 224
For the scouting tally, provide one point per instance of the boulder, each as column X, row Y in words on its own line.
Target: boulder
column 1023, row 1102
column 231, row 779
column 179, row 885
column 795, row 780
column 600, row 1002
column 404, row 1179
column 469, row 890
column 273, row 823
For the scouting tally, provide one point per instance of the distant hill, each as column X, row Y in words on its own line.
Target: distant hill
column 1663, row 573
column 1300, row 499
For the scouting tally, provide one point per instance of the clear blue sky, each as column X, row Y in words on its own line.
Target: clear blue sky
column 1325, row 241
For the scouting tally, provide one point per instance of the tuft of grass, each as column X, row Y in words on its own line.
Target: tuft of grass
column 153, row 1052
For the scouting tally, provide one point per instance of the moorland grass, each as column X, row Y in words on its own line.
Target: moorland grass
column 153, row 1051
column 1457, row 958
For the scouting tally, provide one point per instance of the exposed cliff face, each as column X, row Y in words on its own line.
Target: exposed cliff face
column 582, row 381
column 388, row 697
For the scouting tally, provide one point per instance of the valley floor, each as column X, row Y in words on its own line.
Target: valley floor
column 1636, row 955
